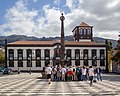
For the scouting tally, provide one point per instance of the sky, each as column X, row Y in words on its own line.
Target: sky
column 41, row 18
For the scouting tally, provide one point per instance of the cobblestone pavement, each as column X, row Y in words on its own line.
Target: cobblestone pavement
column 30, row 85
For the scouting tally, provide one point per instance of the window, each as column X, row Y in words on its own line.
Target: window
column 20, row 58
column 102, row 62
column 86, row 31
column 89, row 31
column 77, row 54
column 85, row 57
column 38, row 63
column 29, row 58
column 82, row 31
column 57, row 52
column 11, row 57
column 94, row 54
column 20, row 63
column 38, row 57
column 69, row 63
column 85, row 54
column 68, row 52
column 38, row 54
column 47, row 53
column 77, row 62
column 102, row 54
column 47, row 62
column 85, row 62
column 11, row 63
column 11, row 54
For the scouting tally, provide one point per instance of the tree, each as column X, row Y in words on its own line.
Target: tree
column 109, row 46
column 2, row 59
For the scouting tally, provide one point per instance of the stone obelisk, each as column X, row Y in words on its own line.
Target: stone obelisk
column 62, row 53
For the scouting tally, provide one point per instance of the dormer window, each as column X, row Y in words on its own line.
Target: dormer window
column 83, row 32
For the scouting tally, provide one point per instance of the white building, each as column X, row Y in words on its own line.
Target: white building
column 35, row 55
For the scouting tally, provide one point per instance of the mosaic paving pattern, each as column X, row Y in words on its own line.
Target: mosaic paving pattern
column 30, row 85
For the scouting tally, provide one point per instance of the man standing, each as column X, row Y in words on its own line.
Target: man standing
column 63, row 71
column 48, row 72
column 99, row 73
column 91, row 74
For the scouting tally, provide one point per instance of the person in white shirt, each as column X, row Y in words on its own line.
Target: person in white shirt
column 84, row 73
column 48, row 72
column 63, row 71
column 91, row 74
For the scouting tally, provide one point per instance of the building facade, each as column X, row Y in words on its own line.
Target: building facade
column 35, row 55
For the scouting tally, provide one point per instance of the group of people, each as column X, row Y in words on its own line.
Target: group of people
column 72, row 73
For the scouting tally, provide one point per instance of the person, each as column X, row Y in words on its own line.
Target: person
column 79, row 73
column 87, row 73
column 58, row 74
column 74, row 73
column 18, row 71
column 70, row 74
column 55, row 73
column 99, row 73
column 84, row 73
column 63, row 71
column 91, row 74
column 48, row 72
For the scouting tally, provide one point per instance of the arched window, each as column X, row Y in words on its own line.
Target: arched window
column 11, row 57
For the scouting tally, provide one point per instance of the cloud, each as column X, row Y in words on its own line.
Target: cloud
column 104, row 15
column 19, row 20
column 57, row 2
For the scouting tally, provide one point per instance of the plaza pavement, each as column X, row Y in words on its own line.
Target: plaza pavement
column 25, row 84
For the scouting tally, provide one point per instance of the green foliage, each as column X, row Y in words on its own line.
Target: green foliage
column 109, row 57
column 109, row 44
column 2, row 58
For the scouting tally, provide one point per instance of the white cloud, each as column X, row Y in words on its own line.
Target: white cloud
column 112, row 4
column 57, row 2
column 20, row 20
